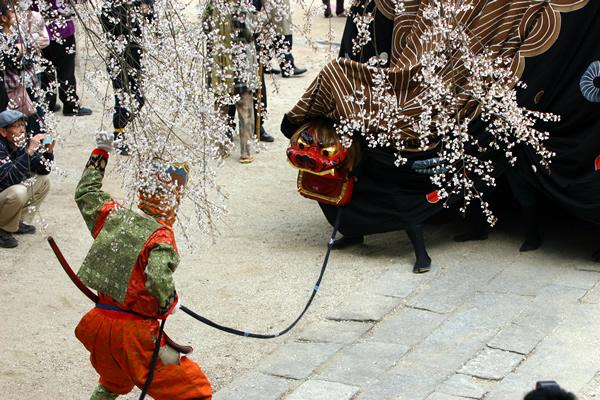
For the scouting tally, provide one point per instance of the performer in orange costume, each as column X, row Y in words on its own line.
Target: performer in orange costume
column 131, row 264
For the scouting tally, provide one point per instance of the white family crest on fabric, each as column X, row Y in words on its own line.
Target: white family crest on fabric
column 590, row 83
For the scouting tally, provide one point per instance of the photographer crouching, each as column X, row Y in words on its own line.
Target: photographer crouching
column 24, row 182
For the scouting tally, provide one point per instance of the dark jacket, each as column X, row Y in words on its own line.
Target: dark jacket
column 16, row 165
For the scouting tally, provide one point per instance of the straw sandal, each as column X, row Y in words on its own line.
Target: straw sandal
column 247, row 160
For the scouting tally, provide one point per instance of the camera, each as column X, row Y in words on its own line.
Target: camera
column 546, row 384
column 547, row 390
column 47, row 140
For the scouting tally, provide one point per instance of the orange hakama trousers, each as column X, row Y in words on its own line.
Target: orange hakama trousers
column 121, row 347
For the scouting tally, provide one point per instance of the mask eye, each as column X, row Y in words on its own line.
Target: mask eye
column 329, row 151
column 302, row 144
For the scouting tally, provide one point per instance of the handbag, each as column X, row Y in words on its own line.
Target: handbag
column 20, row 101
column 17, row 93
column 335, row 191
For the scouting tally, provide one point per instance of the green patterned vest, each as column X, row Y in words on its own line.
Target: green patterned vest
column 108, row 265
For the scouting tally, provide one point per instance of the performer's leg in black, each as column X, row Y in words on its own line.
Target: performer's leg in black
column 525, row 194
column 423, row 263
column 231, row 120
column 532, row 236
column 126, row 84
column 477, row 222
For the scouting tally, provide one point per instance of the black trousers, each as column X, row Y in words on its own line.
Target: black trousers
column 124, row 65
column 62, row 71
column 288, row 62
column 125, row 82
column 339, row 5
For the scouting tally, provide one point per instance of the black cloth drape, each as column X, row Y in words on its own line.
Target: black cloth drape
column 388, row 198
column 554, row 81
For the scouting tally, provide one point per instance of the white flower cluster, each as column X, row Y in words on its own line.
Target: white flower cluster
column 174, row 114
column 362, row 21
column 172, row 98
column 457, row 80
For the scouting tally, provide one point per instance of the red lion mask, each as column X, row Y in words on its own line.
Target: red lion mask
column 323, row 162
column 320, row 154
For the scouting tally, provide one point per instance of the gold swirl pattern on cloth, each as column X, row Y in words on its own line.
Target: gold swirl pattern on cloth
column 97, row 162
column 509, row 29
column 165, row 306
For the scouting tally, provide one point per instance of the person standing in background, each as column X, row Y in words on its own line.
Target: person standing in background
column 61, row 55
column 19, row 60
column 236, row 66
column 284, row 29
column 121, row 23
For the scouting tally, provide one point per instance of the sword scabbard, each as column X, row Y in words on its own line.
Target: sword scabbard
column 74, row 278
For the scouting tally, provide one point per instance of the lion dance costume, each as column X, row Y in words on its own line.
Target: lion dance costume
column 131, row 264
column 553, row 48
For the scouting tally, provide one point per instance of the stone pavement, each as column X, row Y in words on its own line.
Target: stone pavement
column 486, row 322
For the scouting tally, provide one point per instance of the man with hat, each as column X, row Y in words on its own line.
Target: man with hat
column 24, row 182
column 131, row 265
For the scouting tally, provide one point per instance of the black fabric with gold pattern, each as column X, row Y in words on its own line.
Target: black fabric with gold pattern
column 164, row 308
column 97, row 162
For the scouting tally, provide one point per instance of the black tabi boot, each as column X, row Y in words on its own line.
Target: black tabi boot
column 423, row 263
column 532, row 236
column 346, row 241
